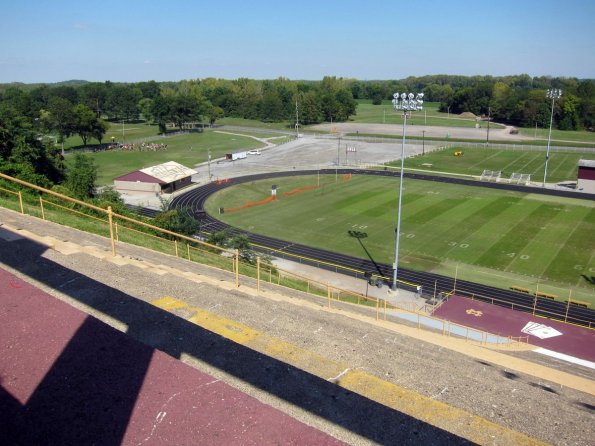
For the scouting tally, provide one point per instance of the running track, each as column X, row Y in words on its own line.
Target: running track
column 68, row 378
column 194, row 201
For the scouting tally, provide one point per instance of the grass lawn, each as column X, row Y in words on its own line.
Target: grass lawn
column 491, row 236
column 562, row 166
column 386, row 114
column 121, row 133
column 581, row 136
column 187, row 149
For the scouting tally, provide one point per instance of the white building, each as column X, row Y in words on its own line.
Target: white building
column 161, row 179
column 586, row 176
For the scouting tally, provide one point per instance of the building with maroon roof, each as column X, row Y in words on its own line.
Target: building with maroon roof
column 586, row 176
column 161, row 179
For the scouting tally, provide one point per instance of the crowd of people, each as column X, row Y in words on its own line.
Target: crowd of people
column 136, row 147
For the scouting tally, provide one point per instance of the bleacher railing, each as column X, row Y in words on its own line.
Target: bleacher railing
column 123, row 231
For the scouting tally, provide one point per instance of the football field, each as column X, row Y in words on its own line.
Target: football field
column 492, row 236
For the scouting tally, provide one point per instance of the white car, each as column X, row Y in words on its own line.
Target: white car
column 254, row 152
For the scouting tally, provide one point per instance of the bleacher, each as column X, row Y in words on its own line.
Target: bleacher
column 520, row 178
column 491, row 175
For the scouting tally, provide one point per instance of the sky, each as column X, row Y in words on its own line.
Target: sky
column 170, row 40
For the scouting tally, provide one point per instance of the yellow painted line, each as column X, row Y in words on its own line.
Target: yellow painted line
column 229, row 329
column 439, row 414
column 169, row 303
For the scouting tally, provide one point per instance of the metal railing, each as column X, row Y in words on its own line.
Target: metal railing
column 121, row 231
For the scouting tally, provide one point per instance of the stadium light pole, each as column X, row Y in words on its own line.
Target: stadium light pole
column 406, row 103
column 552, row 94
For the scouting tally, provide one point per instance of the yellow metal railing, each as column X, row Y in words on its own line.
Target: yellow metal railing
column 258, row 275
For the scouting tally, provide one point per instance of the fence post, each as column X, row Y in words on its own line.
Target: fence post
column 258, row 274
column 117, row 232
column 188, row 249
column 237, row 259
column 568, row 306
column 328, row 294
column 21, row 202
column 41, row 206
column 111, row 230
column 176, row 245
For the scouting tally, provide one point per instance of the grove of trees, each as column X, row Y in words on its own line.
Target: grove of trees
column 518, row 100
column 35, row 119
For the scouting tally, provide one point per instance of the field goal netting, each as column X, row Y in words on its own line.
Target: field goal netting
column 520, row 178
column 491, row 175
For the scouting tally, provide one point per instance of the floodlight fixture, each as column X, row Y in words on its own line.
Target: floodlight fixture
column 553, row 94
column 406, row 102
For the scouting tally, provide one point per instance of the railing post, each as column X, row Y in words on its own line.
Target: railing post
column 176, row 246
column 111, row 230
column 567, row 306
column 117, row 232
column 41, row 206
column 258, row 274
column 21, row 202
column 237, row 260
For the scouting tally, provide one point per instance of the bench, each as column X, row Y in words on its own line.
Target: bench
column 578, row 303
column 520, row 289
column 546, row 295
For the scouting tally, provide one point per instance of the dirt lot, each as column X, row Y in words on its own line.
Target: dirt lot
column 496, row 134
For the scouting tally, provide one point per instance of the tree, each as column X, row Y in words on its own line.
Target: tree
column 60, row 117
column 219, row 238
column 179, row 221
column 161, row 111
column 94, row 95
column 84, row 120
column 145, row 105
column 111, row 197
column 184, row 109
column 149, row 90
column 569, row 119
column 309, row 106
column 215, row 113
column 376, row 92
column 81, row 176
column 122, row 102
column 271, row 107
column 23, row 154
column 99, row 129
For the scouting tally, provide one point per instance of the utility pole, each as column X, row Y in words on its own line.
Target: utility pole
column 297, row 120
column 488, row 134
column 338, row 159
column 209, row 165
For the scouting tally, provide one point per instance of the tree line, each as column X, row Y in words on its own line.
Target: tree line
column 518, row 100
column 29, row 113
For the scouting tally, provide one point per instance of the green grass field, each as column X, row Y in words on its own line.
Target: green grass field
column 386, row 114
column 187, row 149
column 562, row 166
column 490, row 236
